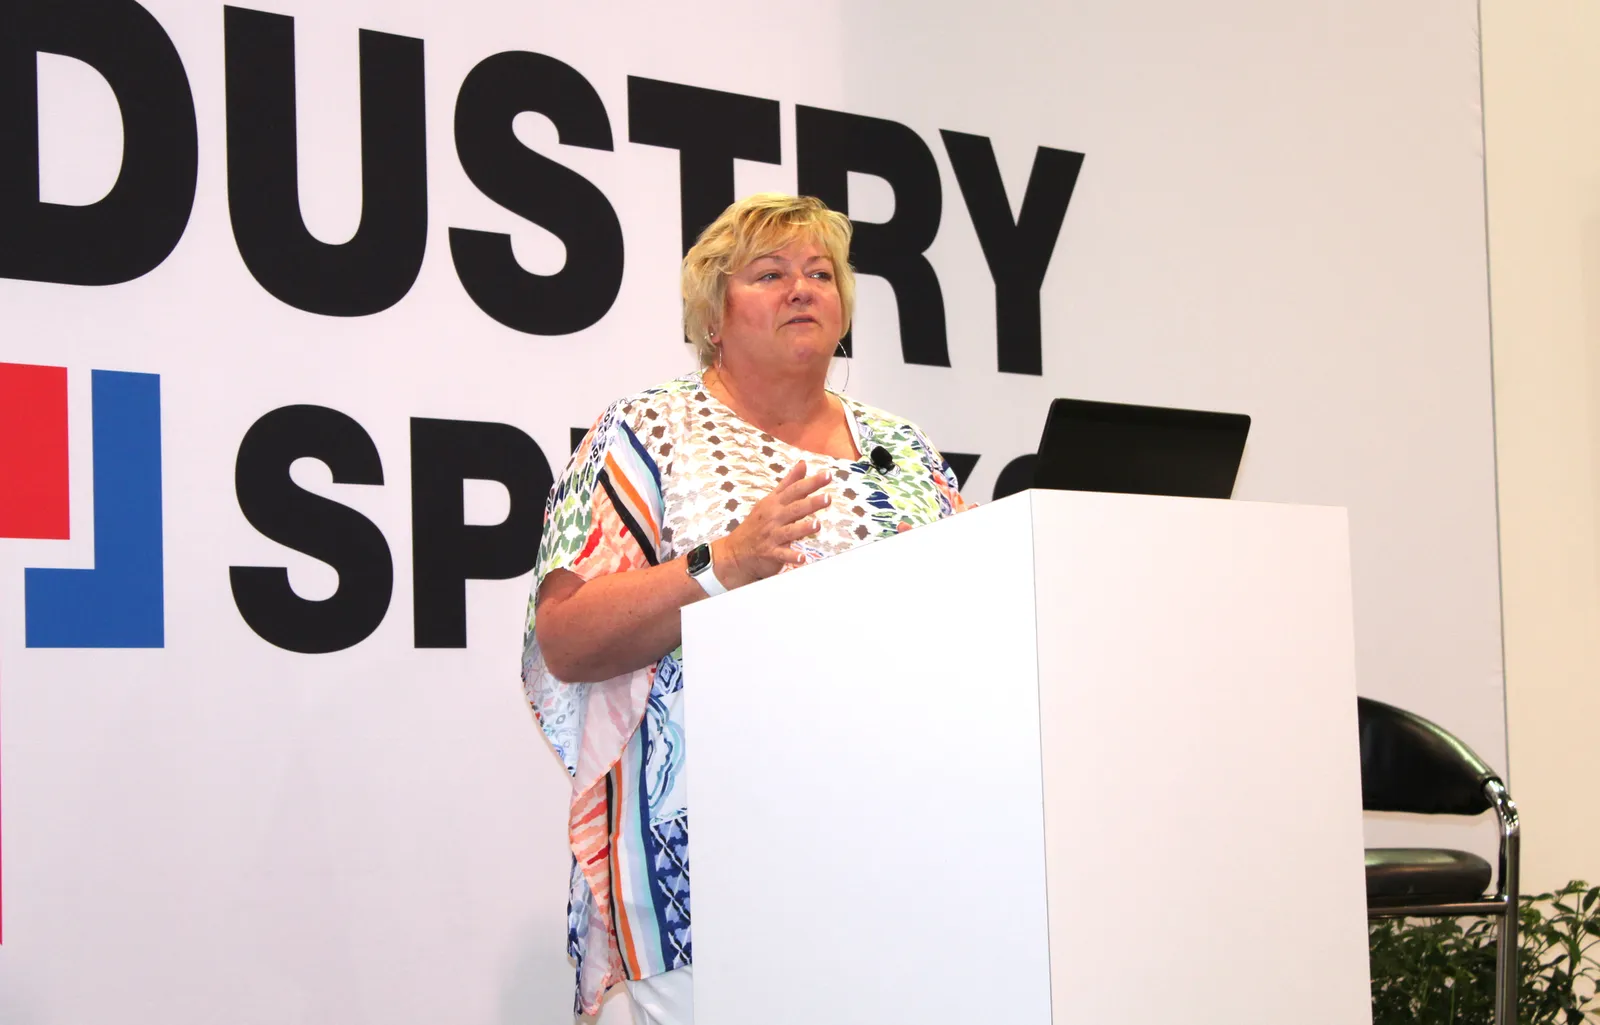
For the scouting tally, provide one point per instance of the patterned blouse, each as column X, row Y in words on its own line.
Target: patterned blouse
column 658, row 474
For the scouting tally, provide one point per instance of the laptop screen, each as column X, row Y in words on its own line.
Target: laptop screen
column 1140, row 450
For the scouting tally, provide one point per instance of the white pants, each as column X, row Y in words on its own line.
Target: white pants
column 665, row 999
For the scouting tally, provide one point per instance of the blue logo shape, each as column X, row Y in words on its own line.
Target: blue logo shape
column 120, row 602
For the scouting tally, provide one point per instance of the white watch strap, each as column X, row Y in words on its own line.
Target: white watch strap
column 707, row 579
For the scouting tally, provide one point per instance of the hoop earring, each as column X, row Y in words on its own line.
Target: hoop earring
column 839, row 353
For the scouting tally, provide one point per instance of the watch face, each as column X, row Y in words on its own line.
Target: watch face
column 699, row 559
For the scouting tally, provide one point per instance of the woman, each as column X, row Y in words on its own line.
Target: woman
column 738, row 471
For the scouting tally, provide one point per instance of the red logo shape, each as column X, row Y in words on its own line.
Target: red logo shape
column 33, row 452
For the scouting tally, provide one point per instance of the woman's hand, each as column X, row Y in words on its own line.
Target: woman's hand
column 620, row 622
column 762, row 544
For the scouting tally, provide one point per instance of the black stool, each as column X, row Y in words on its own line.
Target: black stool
column 1409, row 764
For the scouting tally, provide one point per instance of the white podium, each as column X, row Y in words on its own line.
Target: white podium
column 1065, row 758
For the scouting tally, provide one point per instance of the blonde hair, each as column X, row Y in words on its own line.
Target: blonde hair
column 751, row 228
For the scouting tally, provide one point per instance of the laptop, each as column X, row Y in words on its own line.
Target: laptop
column 1139, row 450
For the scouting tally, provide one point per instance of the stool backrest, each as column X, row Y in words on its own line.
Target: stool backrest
column 1410, row 764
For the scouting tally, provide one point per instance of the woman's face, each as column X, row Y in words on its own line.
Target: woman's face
column 782, row 311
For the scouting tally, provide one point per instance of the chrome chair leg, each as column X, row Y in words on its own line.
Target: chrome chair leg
column 1506, row 964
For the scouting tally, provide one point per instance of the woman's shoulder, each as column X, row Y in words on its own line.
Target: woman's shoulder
column 655, row 405
column 884, row 425
column 909, row 446
column 632, row 433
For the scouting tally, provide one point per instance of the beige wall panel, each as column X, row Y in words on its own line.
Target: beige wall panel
column 1542, row 123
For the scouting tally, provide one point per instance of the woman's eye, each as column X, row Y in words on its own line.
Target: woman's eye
column 770, row 275
column 823, row 275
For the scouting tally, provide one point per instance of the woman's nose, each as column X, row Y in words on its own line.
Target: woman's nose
column 800, row 290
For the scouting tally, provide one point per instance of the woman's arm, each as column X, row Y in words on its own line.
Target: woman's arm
column 594, row 630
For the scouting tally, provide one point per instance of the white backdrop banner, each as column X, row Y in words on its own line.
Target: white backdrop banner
column 301, row 304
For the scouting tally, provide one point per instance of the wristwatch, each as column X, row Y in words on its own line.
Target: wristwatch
column 700, row 568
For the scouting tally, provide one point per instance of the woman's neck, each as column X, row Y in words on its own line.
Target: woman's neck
column 797, row 411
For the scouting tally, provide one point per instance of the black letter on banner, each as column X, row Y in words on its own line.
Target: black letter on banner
column 538, row 189
column 139, row 222
column 962, row 463
column 709, row 129
column 378, row 265
column 1016, row 475
column 323, row 529
column 446, row 551
column 1018, row 251
column 832, row 144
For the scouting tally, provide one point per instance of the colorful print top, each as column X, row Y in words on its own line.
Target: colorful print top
column 658, row 474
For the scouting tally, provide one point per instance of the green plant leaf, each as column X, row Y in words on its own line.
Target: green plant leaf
column 1442, row 971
